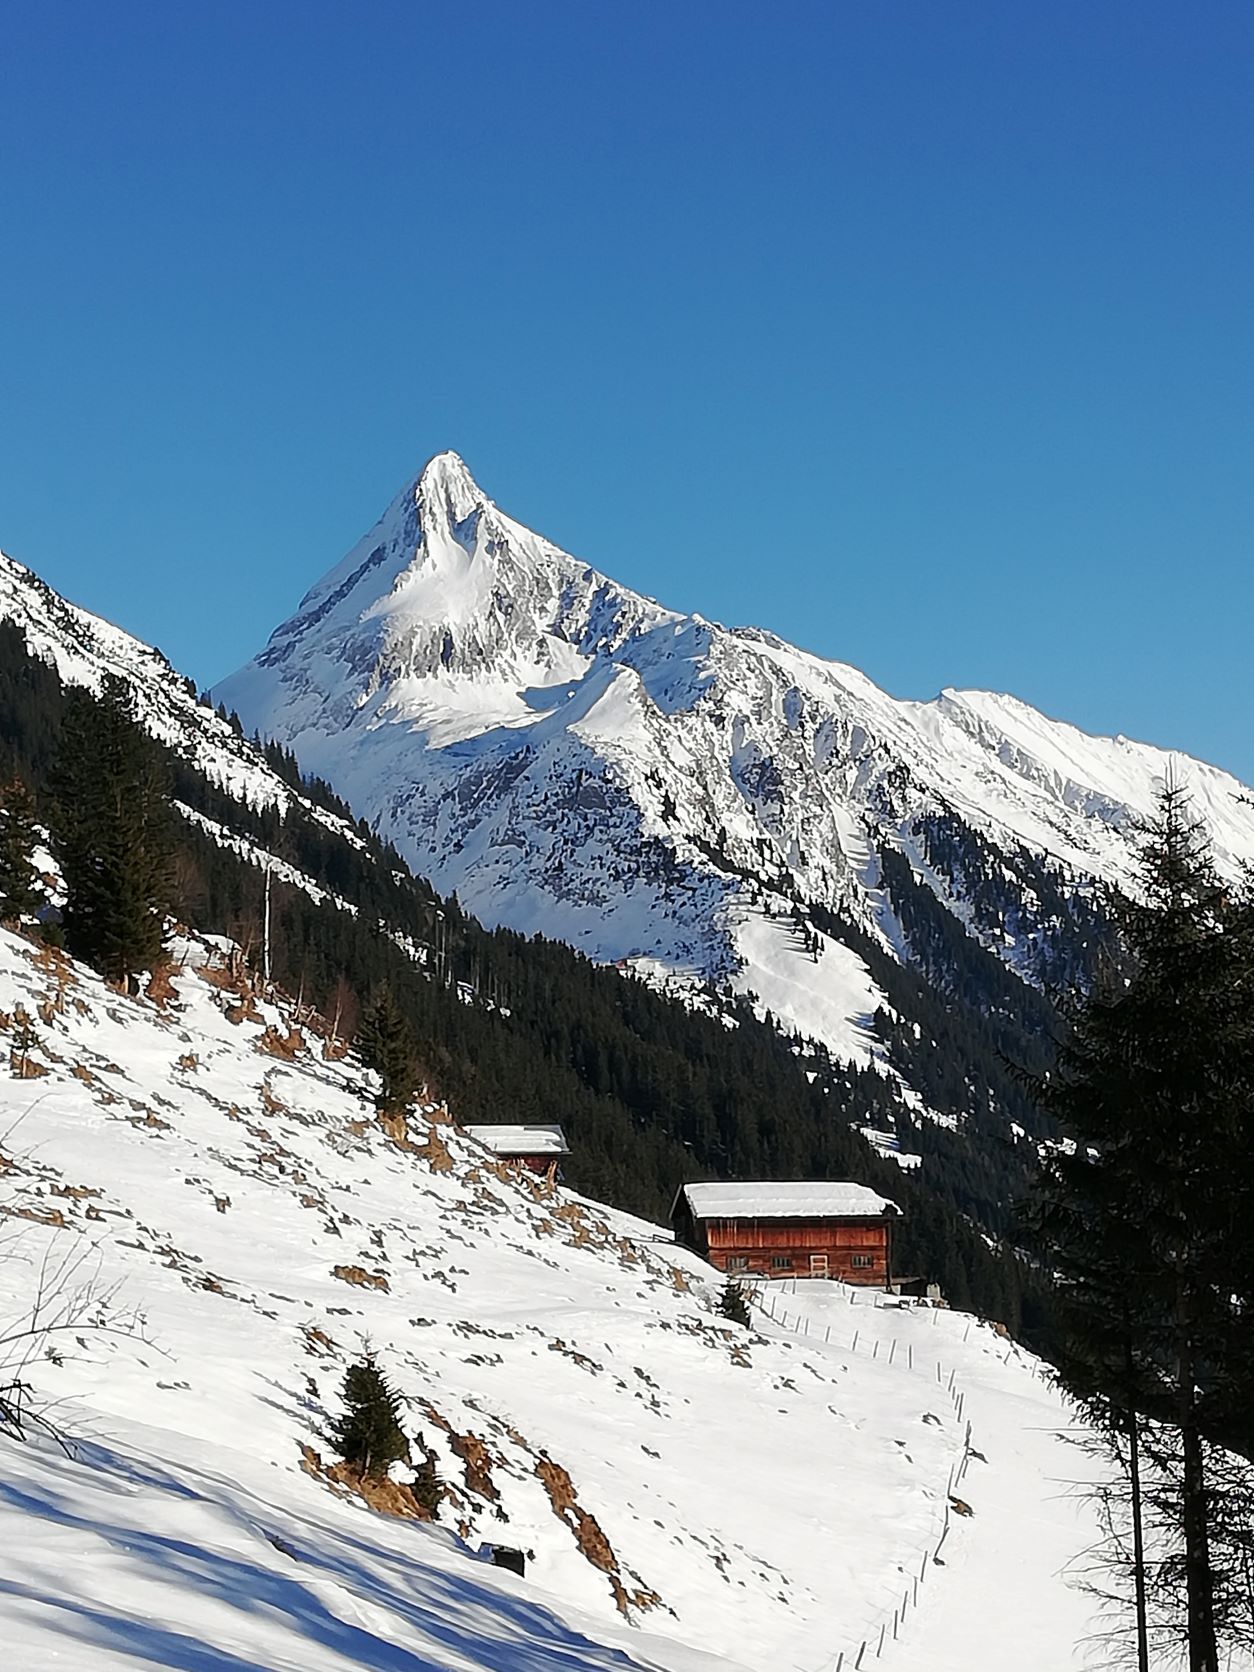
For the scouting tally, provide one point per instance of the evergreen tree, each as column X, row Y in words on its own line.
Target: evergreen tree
column 369, row 1436
column 1140, row 1215
column 20, row 893
column 733, row 1303
column 387, row 1045
column 111, row 834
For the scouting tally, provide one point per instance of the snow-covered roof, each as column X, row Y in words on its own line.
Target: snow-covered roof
column 520, row 1140
column 807, row 1199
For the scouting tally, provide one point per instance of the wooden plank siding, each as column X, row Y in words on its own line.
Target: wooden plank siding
column 856, row 1250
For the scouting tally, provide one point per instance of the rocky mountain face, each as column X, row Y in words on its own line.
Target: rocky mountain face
column 710, row 805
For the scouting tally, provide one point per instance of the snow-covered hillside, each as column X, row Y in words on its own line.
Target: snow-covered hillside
column 84, row 649
column 695, row 1496
column 575, row 759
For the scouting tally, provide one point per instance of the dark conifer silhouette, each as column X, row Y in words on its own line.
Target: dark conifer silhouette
column 386, row 1043
column 733, row 1303
column 427, row 1487
column 21, row 894
column 111, row 834
column 1141, row 1215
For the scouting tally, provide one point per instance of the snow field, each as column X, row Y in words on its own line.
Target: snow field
column 833, row 999
column 995, row 1587
column 753, row 1499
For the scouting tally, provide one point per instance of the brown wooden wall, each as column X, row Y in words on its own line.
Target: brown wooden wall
column 534, row 1163
column 759, row 1246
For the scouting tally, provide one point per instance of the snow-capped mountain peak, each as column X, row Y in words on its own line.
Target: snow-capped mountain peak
column 573, row 758
column 446, row 586
column 446, row 480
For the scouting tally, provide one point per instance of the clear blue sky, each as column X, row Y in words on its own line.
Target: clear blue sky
column 921, row 333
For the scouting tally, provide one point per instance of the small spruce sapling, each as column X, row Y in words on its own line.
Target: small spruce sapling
column 733, row 1303
column 369, row 1436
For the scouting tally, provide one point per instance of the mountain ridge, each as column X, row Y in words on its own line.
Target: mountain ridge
column 659, row 790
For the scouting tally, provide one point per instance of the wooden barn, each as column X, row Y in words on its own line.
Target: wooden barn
column 538, row 1148
column 789, row 1230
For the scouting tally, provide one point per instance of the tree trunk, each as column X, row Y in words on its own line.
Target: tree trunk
column 1134, row 1482
column 1138, row 1542
column 1203, row 1653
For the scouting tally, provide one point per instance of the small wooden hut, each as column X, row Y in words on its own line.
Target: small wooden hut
column 538, row 1148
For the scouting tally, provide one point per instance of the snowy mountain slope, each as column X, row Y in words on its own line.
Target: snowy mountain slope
column 84, row 649
column 573, row 758
column 343, row 907
column 693, row 1494
column 147, row 1551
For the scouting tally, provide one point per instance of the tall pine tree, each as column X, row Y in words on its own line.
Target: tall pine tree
column 1138, row 1215
column 387, row 1045
column 111, row 834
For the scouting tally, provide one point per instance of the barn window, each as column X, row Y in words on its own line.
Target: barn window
column 862, row 1260
column 737, row 1262
column 781, row 1262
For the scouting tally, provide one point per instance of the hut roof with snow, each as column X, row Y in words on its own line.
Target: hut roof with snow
column 515, row 1143
column 804, row 1200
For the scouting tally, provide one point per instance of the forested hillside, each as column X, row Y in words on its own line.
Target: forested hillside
column 651, row 1092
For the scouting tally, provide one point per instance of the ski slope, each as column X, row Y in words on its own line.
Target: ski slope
column 694, row 1495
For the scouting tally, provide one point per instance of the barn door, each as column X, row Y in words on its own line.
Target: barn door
column 818, row 1265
